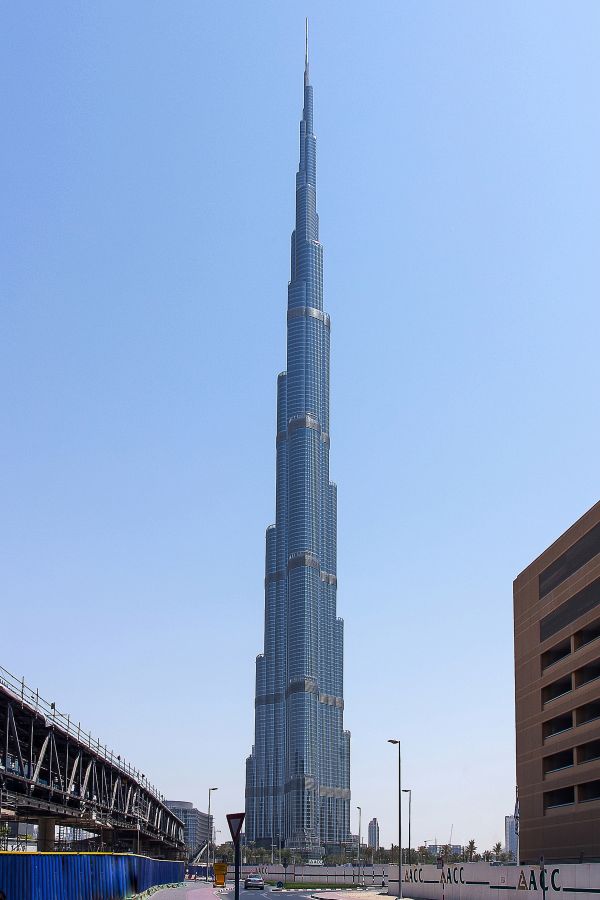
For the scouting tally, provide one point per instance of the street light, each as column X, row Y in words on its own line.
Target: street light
column 209, row 829
column 394, row 741
column 409, row 792
column 359, row 821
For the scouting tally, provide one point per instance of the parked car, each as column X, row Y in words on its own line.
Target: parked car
column 254, row 881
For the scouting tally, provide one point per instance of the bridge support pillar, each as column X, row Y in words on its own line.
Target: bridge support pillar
column 46, row 833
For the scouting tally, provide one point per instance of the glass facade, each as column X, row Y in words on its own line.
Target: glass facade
column 511, row 838
column 298, row 774
column 196, row 825
column 374, row 834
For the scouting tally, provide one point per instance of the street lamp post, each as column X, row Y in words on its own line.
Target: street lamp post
column 394, row 741
column 359, row 825
column 409, row 792
column 208, row 831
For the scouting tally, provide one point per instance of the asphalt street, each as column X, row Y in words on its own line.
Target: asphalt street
column 268, row 894
column 197, row 890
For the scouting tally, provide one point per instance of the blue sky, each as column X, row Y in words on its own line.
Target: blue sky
column 148, row 164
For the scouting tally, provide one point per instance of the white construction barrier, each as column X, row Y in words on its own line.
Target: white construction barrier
column 483, row 881
column 325, row 876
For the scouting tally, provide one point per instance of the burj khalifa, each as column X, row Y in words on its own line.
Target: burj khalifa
column 298, row 774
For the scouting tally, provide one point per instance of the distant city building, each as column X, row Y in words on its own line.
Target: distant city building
column 352, row 847
column 511, row 839
column 347, row 849
column 197, row 825
column 298, row 773
column 374, row 834
column 557, row 697
column 440, row 849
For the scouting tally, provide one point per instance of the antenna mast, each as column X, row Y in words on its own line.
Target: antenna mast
column 306, row 52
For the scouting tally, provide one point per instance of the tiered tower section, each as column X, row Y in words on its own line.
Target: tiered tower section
column 298, row 774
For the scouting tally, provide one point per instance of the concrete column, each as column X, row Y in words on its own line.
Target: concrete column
column 46, row 833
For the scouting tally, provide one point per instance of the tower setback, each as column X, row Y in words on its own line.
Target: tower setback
column 298, row 774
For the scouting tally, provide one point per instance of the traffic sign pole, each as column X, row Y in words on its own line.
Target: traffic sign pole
column 235, row 822
column 237, row 869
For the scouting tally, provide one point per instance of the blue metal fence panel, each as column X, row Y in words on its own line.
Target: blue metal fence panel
column 82, row 876
column 199, row 871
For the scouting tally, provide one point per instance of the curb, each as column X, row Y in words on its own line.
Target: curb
column 155, row 888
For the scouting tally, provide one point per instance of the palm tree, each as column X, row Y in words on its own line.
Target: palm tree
column 423, row 854
column 497, row 849
column 471, row 850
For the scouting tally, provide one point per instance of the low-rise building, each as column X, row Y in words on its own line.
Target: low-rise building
column 557, row 686
column 197, row 825
column 442, row 849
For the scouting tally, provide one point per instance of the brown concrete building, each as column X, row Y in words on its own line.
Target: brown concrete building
column 557, row 684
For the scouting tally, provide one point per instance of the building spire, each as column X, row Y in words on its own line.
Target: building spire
column 298, row 774
column 306, row 53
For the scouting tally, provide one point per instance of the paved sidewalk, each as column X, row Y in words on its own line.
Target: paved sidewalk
column 344, row 895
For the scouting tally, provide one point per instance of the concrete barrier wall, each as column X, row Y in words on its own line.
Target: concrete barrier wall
column 340, row 876
column 482, row 881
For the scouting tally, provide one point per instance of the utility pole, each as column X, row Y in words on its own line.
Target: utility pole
column 395, row 741
column 409, row 792
column 209, row 832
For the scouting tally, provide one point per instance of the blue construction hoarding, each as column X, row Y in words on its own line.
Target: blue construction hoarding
column 198, row 871
column 82, row 876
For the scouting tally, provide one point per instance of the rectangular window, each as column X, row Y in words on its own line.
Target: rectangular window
column 570, row 610
column 557, row 724
column 588, row 752
column 587, row 635
column 555, row 654
column 571, row 560
column 556, row 761
column 587, row 713
column 556, row 689
column 588, row 791
column 561, row 797
column 587, row 673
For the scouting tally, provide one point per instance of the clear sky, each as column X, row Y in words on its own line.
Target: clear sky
column 148, row 168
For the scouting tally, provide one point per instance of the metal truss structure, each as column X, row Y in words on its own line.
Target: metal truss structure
column 50, row 769
column 197, row 854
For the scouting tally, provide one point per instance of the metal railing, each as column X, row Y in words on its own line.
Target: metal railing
column 32, row 699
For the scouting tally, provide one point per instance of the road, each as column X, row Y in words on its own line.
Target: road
column 268, row 894
column 199, row 890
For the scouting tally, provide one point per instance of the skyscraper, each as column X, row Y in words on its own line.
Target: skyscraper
column 511, row 838
column 374, row 834
column 298, row 774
